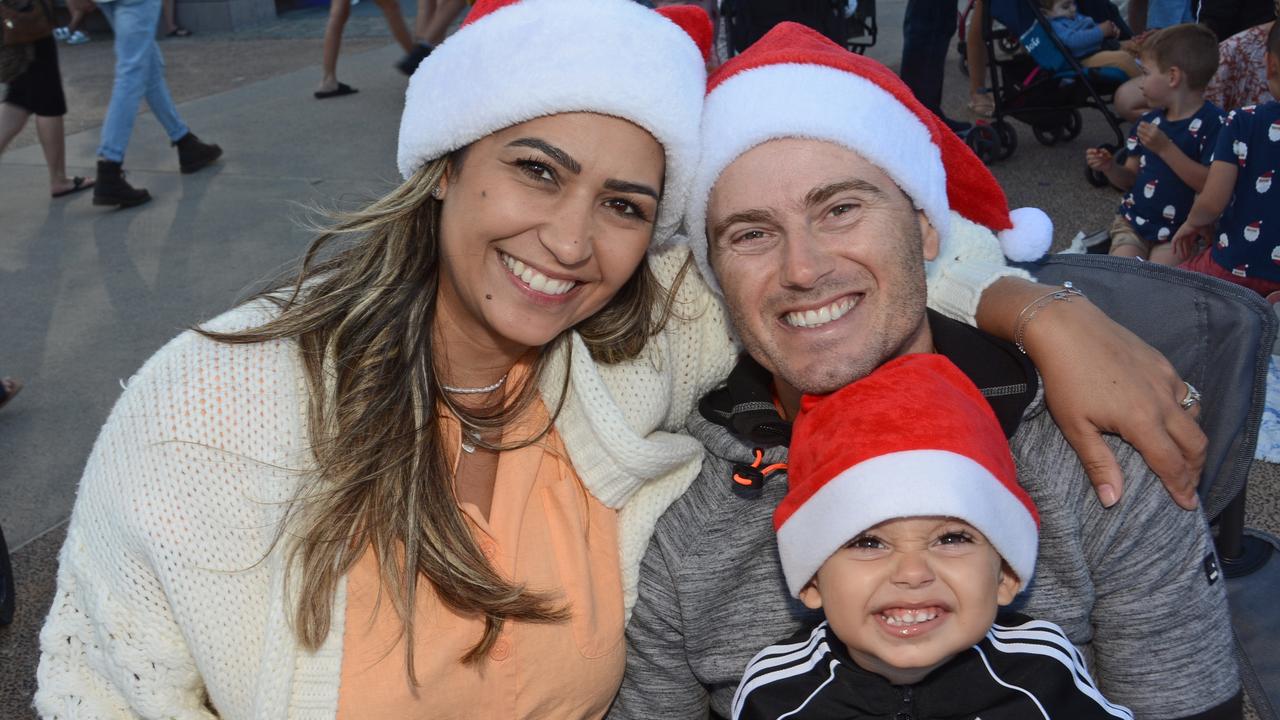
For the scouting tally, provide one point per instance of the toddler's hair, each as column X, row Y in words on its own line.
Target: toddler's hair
column 1046, row 5
column 1190, row 47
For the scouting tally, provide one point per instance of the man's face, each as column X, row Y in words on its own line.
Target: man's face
column 821, row 259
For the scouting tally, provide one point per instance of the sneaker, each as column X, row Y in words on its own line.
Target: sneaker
column 411, row 61
column 112, row 189
column 193, row 154
column 61, row 34
column 77, row 38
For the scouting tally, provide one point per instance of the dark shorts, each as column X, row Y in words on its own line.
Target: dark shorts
column 39, row 89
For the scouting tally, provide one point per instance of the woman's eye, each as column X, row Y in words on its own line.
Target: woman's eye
column 536, row 170
column 628, row 208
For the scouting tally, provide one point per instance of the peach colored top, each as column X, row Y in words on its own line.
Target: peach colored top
column 544, row 529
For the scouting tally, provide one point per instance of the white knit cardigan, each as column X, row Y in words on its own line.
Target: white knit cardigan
column 171, row 599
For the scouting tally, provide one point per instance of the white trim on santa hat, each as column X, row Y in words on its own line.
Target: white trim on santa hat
column 541, row 57
column 817, row 102
column 911, row 483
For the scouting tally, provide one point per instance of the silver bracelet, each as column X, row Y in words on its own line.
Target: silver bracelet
column 1065, row 293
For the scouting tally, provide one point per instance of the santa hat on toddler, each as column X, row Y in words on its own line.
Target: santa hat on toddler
column 516, row 60
column 794, row 82
column 914, row 438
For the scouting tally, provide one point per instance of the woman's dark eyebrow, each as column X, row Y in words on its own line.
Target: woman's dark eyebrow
column 561, row 157
column 630, row 187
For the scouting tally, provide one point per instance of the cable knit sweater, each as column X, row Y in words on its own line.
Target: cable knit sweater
column 172, row 599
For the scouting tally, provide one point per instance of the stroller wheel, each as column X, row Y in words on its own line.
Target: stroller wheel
column 1008, row 139
column 1008, row 44
column 1073, row 126
column 1094, row 177
column 984, row 142
column 1047, row 135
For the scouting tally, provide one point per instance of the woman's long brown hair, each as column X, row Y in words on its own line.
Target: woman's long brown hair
column 362, row 320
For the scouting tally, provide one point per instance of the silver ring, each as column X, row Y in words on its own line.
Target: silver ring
column 1193, row 396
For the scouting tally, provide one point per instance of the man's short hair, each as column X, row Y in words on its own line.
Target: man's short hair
column 1190, row 47
column 1273, row 39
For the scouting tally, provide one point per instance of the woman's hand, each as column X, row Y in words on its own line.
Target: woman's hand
column 1101, row 378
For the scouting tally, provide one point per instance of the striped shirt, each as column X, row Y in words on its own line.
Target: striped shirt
column 1022, row 669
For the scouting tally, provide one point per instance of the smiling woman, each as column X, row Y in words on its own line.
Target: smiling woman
column 411, row 470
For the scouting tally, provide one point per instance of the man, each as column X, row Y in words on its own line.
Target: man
column 139, row 73
column 817, row 227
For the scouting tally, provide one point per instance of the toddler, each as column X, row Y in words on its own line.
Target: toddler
column 1246, row 249
column 1170, row 149
column 905, row 524
column 1094, row 44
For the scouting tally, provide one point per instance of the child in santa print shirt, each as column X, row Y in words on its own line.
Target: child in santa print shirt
column 1245, row 246
column 1169, row 149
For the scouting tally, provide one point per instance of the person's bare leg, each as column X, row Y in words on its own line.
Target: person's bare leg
column 1129, row 251
column 395, row 21
column 1129, row 101
column 53, row 141
column 1163, row 255
column 441, row 19
column 77, row 17
column 426, row 8
column 339, row 11
column 12, row 120
column 976, row 57
column 166, row 11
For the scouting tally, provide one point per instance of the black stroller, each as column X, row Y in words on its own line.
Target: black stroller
column 1040, row 83
column 746, row 21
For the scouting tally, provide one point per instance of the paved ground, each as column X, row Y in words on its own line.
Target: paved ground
column 89, row 294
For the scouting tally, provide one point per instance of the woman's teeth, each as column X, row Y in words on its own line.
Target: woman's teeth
column 821, row 316
column 899, row 618
column 536, row 280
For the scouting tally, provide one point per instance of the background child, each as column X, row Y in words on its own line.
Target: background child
column 1170, row 149
column 1086, row 39
column 905, row 524
column 1246, row 250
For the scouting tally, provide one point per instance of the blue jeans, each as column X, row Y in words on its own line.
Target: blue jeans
column 139, row 74
column 927, row 28
column 1163, row 13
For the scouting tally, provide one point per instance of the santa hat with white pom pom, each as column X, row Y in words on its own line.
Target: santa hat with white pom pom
column 795, row 83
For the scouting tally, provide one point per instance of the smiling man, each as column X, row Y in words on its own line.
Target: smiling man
column 824, row 189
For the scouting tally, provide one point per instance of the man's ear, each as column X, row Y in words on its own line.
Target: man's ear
column 1273, row 66
column 929, row 235
column 1008, row 586
column 810, row 596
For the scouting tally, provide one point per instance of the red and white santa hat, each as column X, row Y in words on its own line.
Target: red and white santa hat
column 795, row 83
column 516, row 60
column 914, row 438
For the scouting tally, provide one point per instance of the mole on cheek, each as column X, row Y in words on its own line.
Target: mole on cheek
column 484, row 193
column 488, row 296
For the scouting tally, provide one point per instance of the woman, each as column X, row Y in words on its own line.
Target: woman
column 38, row 91
column 394, row 487
column 339, row 13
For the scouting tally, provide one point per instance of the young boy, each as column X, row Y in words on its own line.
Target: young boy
column 1169, row 152
column 1246, row 250
column 905, row 524
column 1093, row 44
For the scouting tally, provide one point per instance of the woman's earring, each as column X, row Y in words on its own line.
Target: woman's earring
column 436, row 192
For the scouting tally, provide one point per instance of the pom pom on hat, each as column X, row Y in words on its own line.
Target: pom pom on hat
column 794, row 82
column 517, row 60
column 914, row 438
column 1029, row 238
